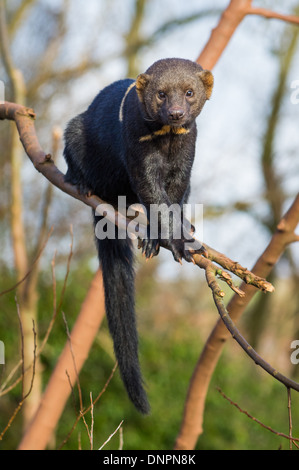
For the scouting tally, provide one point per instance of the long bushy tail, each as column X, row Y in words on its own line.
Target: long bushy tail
column 116, row 258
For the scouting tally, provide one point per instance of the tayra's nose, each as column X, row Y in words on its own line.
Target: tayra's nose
column 175, row 113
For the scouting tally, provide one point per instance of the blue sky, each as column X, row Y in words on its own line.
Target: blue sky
column 227, row 167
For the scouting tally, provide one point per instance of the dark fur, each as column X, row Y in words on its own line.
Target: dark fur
column 146, row 156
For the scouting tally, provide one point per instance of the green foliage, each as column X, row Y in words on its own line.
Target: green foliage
column 172, row 334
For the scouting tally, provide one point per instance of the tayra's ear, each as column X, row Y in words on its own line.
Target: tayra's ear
column 208, row 80
column 141, row 83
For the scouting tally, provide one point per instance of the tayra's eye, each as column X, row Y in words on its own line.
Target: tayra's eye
column 161, row 95
column 189, row 93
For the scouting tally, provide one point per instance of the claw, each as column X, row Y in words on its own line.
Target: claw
column 204, row 252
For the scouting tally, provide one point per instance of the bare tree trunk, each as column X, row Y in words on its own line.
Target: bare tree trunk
column 27, row 303
column 76, row 350
column 191, row 426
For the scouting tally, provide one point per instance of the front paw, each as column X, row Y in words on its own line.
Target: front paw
column 150, row 247
column 179, row 249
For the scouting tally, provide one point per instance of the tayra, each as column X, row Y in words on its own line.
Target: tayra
column 137, row 139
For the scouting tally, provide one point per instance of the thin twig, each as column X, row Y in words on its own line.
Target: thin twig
column 56, row 308
column 238, row 270
column 32, row 266
column 72, row 390
column 21, row 402
column 235, row 333
column 105, row 386
column 111, row 435
column 92, row 421
column 81, row 412
column 67, row 269
column 4, row 388
column 34, row 360
column 22, row 345
column 290, row 416
column 273, row 15
column 292, row 439
column 79, row 416
column 74, row 362
column 121, row 438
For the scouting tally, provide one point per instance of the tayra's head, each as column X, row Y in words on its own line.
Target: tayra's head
column 174, row 91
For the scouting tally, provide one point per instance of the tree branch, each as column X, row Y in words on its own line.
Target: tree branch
column 281, row 434
column 19, row 14
column 230, row 19
column 24, row 119
column 58, row 389
column 235, row 333
column 191, row 426
column 273, row 15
